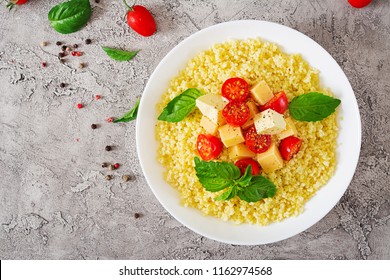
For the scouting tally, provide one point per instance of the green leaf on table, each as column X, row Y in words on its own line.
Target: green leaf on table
column 119, row 55
column 71, row 16
column 180, row 106
column 313, row 106
column 131, row 115
column 258, row 188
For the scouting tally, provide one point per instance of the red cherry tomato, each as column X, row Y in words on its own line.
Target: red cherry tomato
column 11, row 4
column 289, row 146
column 235, row 89
column 140, row 20
column 236, row 113
column 278, row 103
column 243, row 164
column 257, row 143
column 208, row 146
column 359, row 3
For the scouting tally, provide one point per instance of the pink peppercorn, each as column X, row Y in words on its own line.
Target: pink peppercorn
column 79, row 105
column 44, row 64
column 97, row 96
column 116, row 165
column 111, row 119
column 74, row 53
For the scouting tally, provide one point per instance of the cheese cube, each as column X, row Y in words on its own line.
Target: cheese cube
column 208, row 125
column 230, row 135
column 290, row 129
column 211, row 106
column 261, row 93
column 269, row 122
column 253, row 109
column 271, row 159
column 240, row 151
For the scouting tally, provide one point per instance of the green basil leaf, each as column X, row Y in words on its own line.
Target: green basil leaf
column 179, row 107
column 246, row 178
column 227, row 195
column 216, row 176
column 70, row 16
column 131, row 115
column 313, row 106
column 259, row 188
column 119, row 55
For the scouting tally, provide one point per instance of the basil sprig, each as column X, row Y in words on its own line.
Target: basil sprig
column 312, row 106
column 131, row 115
column 71, row 16
column 216, row 176
column 180, row 106
column 119, row 55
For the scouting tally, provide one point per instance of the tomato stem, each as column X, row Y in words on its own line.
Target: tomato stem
column 127, row 5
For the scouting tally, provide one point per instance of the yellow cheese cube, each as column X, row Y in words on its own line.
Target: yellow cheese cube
column 230, row 135
column 269, row 122
column 271, row 159
column 211, row 106
column 290, row 129
column 240, row 151
column 208, row 125
column 261, row 93
column 253, row 109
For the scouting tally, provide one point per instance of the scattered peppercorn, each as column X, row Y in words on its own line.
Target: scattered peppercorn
column 58, row 43
column 88, row 41
column 74, row 53
column 62, row 61
column 116, row 165
column 62, row 85
column 75, row 46
column 44, row 64
column 79, row 105
column 126, row 178
column 108, row 177
column 97, row 1
column 110, row 119
column 61, row 54
column 93, row 126
column 108, row 148
column 97, row 96
column 111, row 167
column 63, row 48
column 43, row 44
column 68, row 49
column 81, row 65
column 104, row 164
column 137, row 215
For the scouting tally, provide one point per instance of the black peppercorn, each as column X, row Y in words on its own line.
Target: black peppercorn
column 75, row 46
column 61, row 54
column 97, row 1
column 62, row 85
column 88, row 41
column 108, row 148
column 137, row 215
column 104, row 164
column 58, row 43
column 93, row 126
column 63, row 48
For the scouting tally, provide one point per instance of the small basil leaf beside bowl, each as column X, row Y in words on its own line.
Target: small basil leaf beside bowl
column 119, row 55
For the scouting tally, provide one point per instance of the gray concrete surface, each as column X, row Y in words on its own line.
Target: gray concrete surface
column 54, row 201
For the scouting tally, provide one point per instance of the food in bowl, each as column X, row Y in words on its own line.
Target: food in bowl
column 256, row 119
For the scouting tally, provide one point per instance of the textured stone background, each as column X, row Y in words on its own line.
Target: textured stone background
column 54, row 202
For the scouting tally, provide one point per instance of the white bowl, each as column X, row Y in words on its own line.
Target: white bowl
column 331, row 76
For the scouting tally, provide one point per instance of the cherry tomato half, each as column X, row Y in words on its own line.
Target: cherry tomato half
column 236, row 113
column 141, row 20
column 289, row 146
column 278, row 103
column 235, row 89
column 243, row 164
column 359, row 3
column 208, row 146
column 257, row 143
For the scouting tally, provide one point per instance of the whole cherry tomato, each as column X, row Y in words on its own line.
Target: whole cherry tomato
column 140, row 20
column 242, row 164
column 359, row 3
column 209, row 147
column 278, row 103
column 12, row 3
column 289, row 146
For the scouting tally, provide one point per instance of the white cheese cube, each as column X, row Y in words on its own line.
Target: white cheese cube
column 253, row 109
column 290, row 129
column 230, row 135
column 211, row 106
column 269, row 122
column 240, row 151
column 271, row 159
column 261, row 93
column 208, row 125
